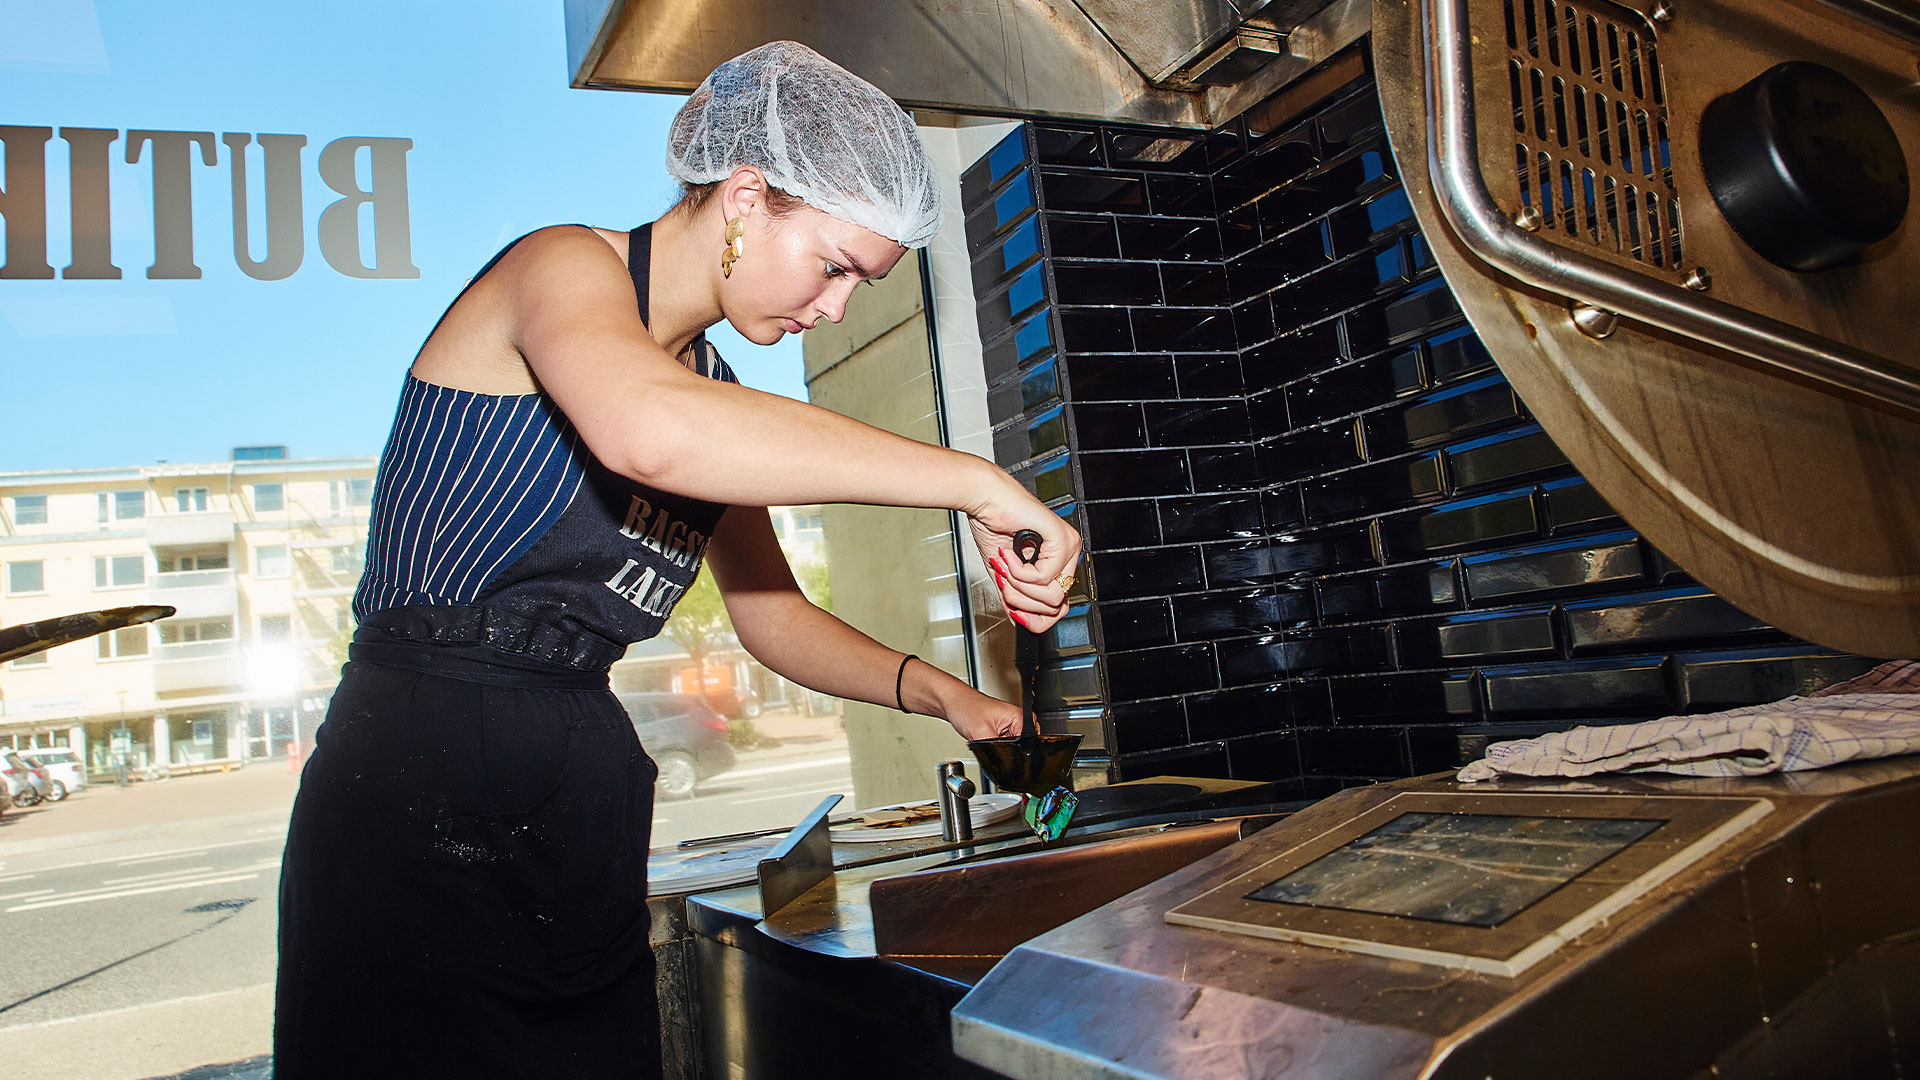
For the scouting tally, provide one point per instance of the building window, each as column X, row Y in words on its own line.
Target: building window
column 269, row 497
column 121, row 644
column 38, row 659
column 177, row 632
column 119, row 571
column 806, row 522
column 259, row 453
column 270, row 561
column 354, row 493
column 190, row 499
column 24, row 578
column 276, row 629
column 346, row 561
column 122, row 505
column 29, row 509
column 193, row 560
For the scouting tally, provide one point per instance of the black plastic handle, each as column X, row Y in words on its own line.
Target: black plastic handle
column 1026, row 545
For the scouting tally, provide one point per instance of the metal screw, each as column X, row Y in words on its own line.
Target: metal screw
column 1662, row 12
column 1594, row 322
column 1529, row 218
column 1698, row 279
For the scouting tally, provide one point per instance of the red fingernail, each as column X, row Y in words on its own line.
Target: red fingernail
column 1016, row 618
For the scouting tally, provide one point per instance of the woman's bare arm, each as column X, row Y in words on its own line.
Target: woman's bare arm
column 786, row 632
column 574, row 319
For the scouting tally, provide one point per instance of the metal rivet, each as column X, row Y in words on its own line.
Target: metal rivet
column 1594, row 322
column 1662, row 12
column 1698, row 279
column 1529, row 218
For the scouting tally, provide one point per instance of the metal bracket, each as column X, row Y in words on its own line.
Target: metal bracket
column 801, row 861
column 1489, row 234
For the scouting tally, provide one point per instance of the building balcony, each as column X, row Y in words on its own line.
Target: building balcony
column 190, row 528
column 198, row 594
column 197, row 665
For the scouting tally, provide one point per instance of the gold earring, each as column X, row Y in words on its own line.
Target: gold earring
column 736, row 246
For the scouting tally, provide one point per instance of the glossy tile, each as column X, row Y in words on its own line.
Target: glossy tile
column 1182, row 329
column 1373, row 489
column 1121, row 378
column 1196, row 423
column 1126, row 524
column 1504, row 459
column 1628, row 689
column 1368, row 752
column 979, row 180
column 1196, row 283
column 1068, row 683
column 1209, row 375
column 1229, row 613
column 1149, row 725
column 1201, row 759
column 1311, row 452
column 1005, row 209
column 1096, row 330
column 1121, row 474
column 1211, row 517
column 1273, row 756
column 1223, row 713
column 1456, row 413
column 1461, row 525
column 1136, row 624
column 1181, row 196
column 1170, row 239
column 1423, row 697
column 1117, row 426
column 1105, row 192
column 1324, row 652
column 1167, row 150
column 1151, row 673
column 1294, row 354
column 1457, row 354
column 1611, row 561
column 1059, row 145
column 1147, row 572
column 1072, row 236
column 1729, row 679
column 1106, row 283
column 1649, row 620
column 1009, row 255
column 1573, row 506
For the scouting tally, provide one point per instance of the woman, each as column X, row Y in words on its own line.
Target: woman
column 464, row 886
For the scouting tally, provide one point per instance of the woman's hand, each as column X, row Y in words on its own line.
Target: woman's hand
column 1035, row 594
column 981, row 717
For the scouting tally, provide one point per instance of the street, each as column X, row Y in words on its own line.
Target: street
column 137, row 924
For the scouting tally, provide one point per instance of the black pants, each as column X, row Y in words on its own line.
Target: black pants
column 464, row 888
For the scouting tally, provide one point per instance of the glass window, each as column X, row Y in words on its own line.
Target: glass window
column 354, row 493
column 126, row 642
column 276, row 629
column 185, row 631
column 124, row 505
column 269, row 497
column 38, row 659
column 29, row 509
column 271, row 561
column 190, row 499
column 26, row 577
column 119, row 571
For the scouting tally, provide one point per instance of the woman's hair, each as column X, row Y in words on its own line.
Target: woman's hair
column 818, row 133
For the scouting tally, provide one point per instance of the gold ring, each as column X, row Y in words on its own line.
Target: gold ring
column 1065, row 580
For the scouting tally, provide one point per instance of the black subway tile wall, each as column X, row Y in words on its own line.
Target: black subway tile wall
column 1326, row 543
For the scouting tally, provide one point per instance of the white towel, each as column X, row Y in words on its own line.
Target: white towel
column 1783, row 736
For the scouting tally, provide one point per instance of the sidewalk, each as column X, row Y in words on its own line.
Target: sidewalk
column 262, row 791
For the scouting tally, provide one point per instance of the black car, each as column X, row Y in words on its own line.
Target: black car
column 686, row 738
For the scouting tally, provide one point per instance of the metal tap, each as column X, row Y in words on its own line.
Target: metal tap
column 956, row 816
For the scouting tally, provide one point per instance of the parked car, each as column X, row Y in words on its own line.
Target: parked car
column 683, row 735
column 27, row 784
column 65, row 772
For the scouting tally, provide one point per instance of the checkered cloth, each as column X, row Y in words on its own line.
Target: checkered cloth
column 1875, row 715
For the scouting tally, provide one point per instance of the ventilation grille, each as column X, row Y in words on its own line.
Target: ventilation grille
column 1590, row 128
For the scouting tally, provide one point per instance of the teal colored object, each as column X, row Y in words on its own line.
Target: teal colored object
column 1047, row 815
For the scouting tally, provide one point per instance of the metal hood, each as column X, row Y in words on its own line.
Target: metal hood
column 1181, row 63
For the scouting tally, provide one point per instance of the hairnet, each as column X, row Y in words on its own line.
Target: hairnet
column 817, row 131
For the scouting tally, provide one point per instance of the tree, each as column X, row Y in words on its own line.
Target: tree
column 814, row 583
column 699, row 623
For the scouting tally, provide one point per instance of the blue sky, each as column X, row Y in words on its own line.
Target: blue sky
column 102, row 373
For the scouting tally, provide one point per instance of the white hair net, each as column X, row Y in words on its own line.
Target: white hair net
column 817, row 131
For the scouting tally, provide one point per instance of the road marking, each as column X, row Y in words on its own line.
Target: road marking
column 767, row 770
column 125, row 858
column 16, row 877
column 18, row 895
column 162, row 858
column 125, row 1009
column 157, row 877
column 168, row 887
column 837, row 789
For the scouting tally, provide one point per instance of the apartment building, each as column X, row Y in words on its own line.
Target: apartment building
column 260, row 555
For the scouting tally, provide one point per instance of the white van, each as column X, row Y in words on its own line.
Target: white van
column 62, row 765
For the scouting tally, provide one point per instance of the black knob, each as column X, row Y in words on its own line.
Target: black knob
column 1804, row 166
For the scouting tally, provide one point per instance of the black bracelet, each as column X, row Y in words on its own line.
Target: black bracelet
column 899, row 678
